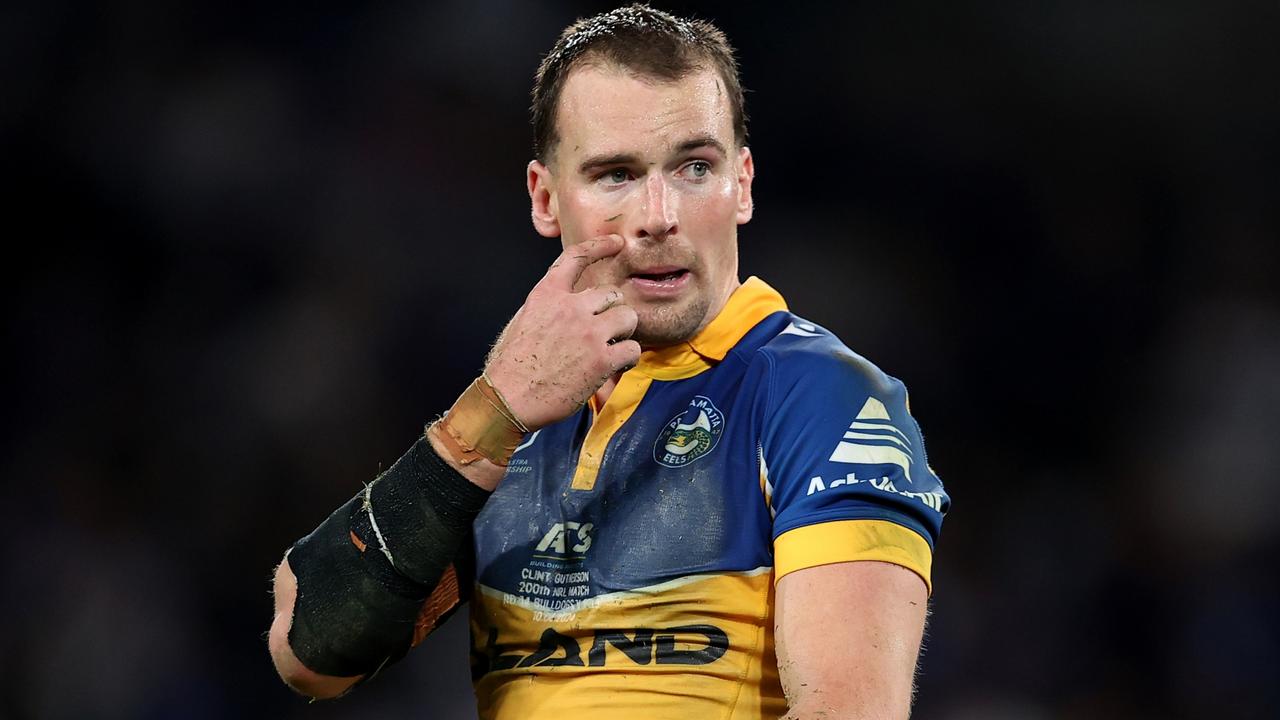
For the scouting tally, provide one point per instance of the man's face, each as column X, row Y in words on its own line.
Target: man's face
column 655, row 162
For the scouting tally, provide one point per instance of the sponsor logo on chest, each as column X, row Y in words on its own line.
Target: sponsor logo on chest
column 685, row 645
column 566, row 536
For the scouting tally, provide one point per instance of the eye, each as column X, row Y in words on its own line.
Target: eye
column 699, row 168
column 616, row 176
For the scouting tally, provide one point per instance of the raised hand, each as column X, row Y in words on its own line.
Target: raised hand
column 561, row 346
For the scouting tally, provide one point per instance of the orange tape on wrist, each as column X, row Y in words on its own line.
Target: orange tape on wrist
column 479, row 425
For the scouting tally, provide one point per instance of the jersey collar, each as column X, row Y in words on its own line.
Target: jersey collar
column 752, row 302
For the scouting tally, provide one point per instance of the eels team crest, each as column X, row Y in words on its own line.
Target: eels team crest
column 690, row 435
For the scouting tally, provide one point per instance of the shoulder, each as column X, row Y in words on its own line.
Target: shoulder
column 837, row 438
column 802, row 357
column 824, row 403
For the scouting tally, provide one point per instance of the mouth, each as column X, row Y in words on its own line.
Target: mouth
column 659, row 283
column 659, row 274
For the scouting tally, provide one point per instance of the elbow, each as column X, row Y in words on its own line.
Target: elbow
column 291, row 670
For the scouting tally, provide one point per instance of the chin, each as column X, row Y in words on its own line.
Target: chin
column 665, row 326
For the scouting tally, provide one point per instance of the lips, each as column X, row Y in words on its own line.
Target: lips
column 659, row 283
column 660, row 274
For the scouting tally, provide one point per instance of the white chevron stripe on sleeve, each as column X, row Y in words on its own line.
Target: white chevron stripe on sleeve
column 855, row 453
column 869, row 436
column 874, row 426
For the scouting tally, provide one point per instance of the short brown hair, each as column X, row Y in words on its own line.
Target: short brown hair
column 648, row 42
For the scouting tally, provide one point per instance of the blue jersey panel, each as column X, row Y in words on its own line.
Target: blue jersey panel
column 839, row 442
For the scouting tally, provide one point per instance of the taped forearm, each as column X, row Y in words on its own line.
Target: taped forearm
column 365, row 573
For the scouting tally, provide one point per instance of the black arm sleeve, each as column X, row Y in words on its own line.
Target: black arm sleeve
column 365, row 572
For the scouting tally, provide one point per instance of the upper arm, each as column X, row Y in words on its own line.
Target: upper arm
column 847, row 637
column 857, row 510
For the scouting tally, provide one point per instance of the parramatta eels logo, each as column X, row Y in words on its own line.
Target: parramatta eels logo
column 690, row 435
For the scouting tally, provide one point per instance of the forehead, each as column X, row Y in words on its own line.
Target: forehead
column 610, row 109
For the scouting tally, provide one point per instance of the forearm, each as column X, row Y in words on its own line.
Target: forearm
column 349, row 592
column 357, row 592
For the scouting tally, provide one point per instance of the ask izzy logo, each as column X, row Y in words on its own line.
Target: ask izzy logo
column 689, row 435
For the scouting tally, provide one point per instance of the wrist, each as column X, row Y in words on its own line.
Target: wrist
column 483, row 473
column 479, row 427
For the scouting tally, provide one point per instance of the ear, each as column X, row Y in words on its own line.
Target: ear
column 746, row 174
column 542, row 196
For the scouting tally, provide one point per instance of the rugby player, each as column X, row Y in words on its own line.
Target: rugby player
column 666, row 495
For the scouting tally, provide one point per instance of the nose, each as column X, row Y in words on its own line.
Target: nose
column 658, row 208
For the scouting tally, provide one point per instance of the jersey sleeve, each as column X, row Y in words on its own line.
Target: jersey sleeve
column 844, row 465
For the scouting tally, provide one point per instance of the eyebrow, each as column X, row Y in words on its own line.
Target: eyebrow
column 693, row 143
column 597, row 161
column 702, row 141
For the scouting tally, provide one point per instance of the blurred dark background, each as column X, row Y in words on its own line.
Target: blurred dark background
column 252, row 248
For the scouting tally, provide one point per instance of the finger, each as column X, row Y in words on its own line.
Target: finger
column 568, row 268
column 623, row 355
column 601, row 299
column 619, row 322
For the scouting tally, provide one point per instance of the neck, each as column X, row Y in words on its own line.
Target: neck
column 602, row 395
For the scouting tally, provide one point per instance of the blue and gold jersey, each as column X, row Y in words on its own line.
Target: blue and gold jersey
column 625, row 566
